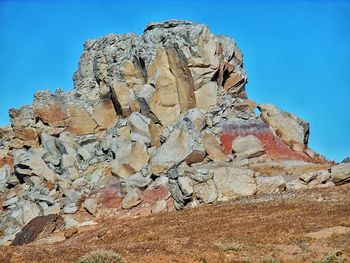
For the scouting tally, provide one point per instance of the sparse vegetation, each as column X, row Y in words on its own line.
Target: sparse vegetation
column 231, row 246
column 333, row 258
column 269, row 259
column 101, row 256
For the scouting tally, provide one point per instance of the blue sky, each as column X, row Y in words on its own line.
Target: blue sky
column 296, row 53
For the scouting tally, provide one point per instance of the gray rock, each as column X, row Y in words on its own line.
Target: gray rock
column 140, row 128
column 52, row 210
column 340, row 173
column 186, row 185
column 30, row 163
column 179, row 198
column 270, row 184
column 5, row 173
column 206, row 191
column 136, row 180
column 91, row 205
column 232, row 182
column 51, row 153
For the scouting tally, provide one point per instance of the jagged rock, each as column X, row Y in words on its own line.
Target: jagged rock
column 50, row 108
column 121, row 170
column 29, row 163
column 273, row 145
column 290, row 128
column 340, row 173
column 140, row 128
column 104, row 114
column 248, row 146
column 51, row 154
column 180, row 145
column 184, row 82
column 121, row 97
column 23, row 125
column 136, row 180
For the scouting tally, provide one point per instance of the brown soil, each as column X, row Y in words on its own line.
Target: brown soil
column 270, row 228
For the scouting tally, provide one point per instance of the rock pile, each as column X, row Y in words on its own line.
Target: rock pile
column 154, row 123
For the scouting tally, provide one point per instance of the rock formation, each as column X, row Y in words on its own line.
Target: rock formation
column 154, row 123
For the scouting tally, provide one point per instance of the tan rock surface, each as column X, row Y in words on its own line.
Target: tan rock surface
column 79, row 122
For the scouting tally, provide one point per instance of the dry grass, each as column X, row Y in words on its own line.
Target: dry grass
column 101, row 256
column 333, row 258
column 269, row 259
column 230, row 246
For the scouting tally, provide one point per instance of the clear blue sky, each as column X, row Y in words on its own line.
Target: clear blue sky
column 297, row 53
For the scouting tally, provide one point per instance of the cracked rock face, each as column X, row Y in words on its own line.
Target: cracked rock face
column 155, row 122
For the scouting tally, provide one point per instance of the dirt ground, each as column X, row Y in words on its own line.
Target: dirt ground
column 308, row 226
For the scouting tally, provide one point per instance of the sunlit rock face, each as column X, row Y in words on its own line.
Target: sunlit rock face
column 155, row 122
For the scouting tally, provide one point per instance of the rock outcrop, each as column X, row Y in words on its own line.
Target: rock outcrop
column 154, row 123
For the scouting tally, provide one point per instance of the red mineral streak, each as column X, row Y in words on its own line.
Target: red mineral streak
column 151, row 196
column 6, row 160
column 275, row 148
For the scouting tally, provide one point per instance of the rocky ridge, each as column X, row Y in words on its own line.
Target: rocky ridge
column 155, row 122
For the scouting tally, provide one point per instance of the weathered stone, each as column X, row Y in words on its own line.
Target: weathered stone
column 68, row 233
column 164, row 102
column 121, row 97
column 91, row 205
column 340, row 173
column 79, row 122
column 290, row 128
column 29, row 163
column 36, row 227
column 159, row 206
column 184, row 82
column 121, row 170
column 138, row 157
column 213, row 148
column 140, row 128
column 176, row 149
column 232, row 182
column 133, row 74
column 206, row 191
column 104, row 114
column 51, row 154
column 248, row 146
column 50, row 108
column 206, row 95
column 270, row 184
column 132, row 198
column 186, row 185
column 155, row 133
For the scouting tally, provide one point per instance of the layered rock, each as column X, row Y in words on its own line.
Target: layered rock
column 154, row 122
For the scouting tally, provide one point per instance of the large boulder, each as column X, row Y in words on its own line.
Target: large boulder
column 290, row 128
